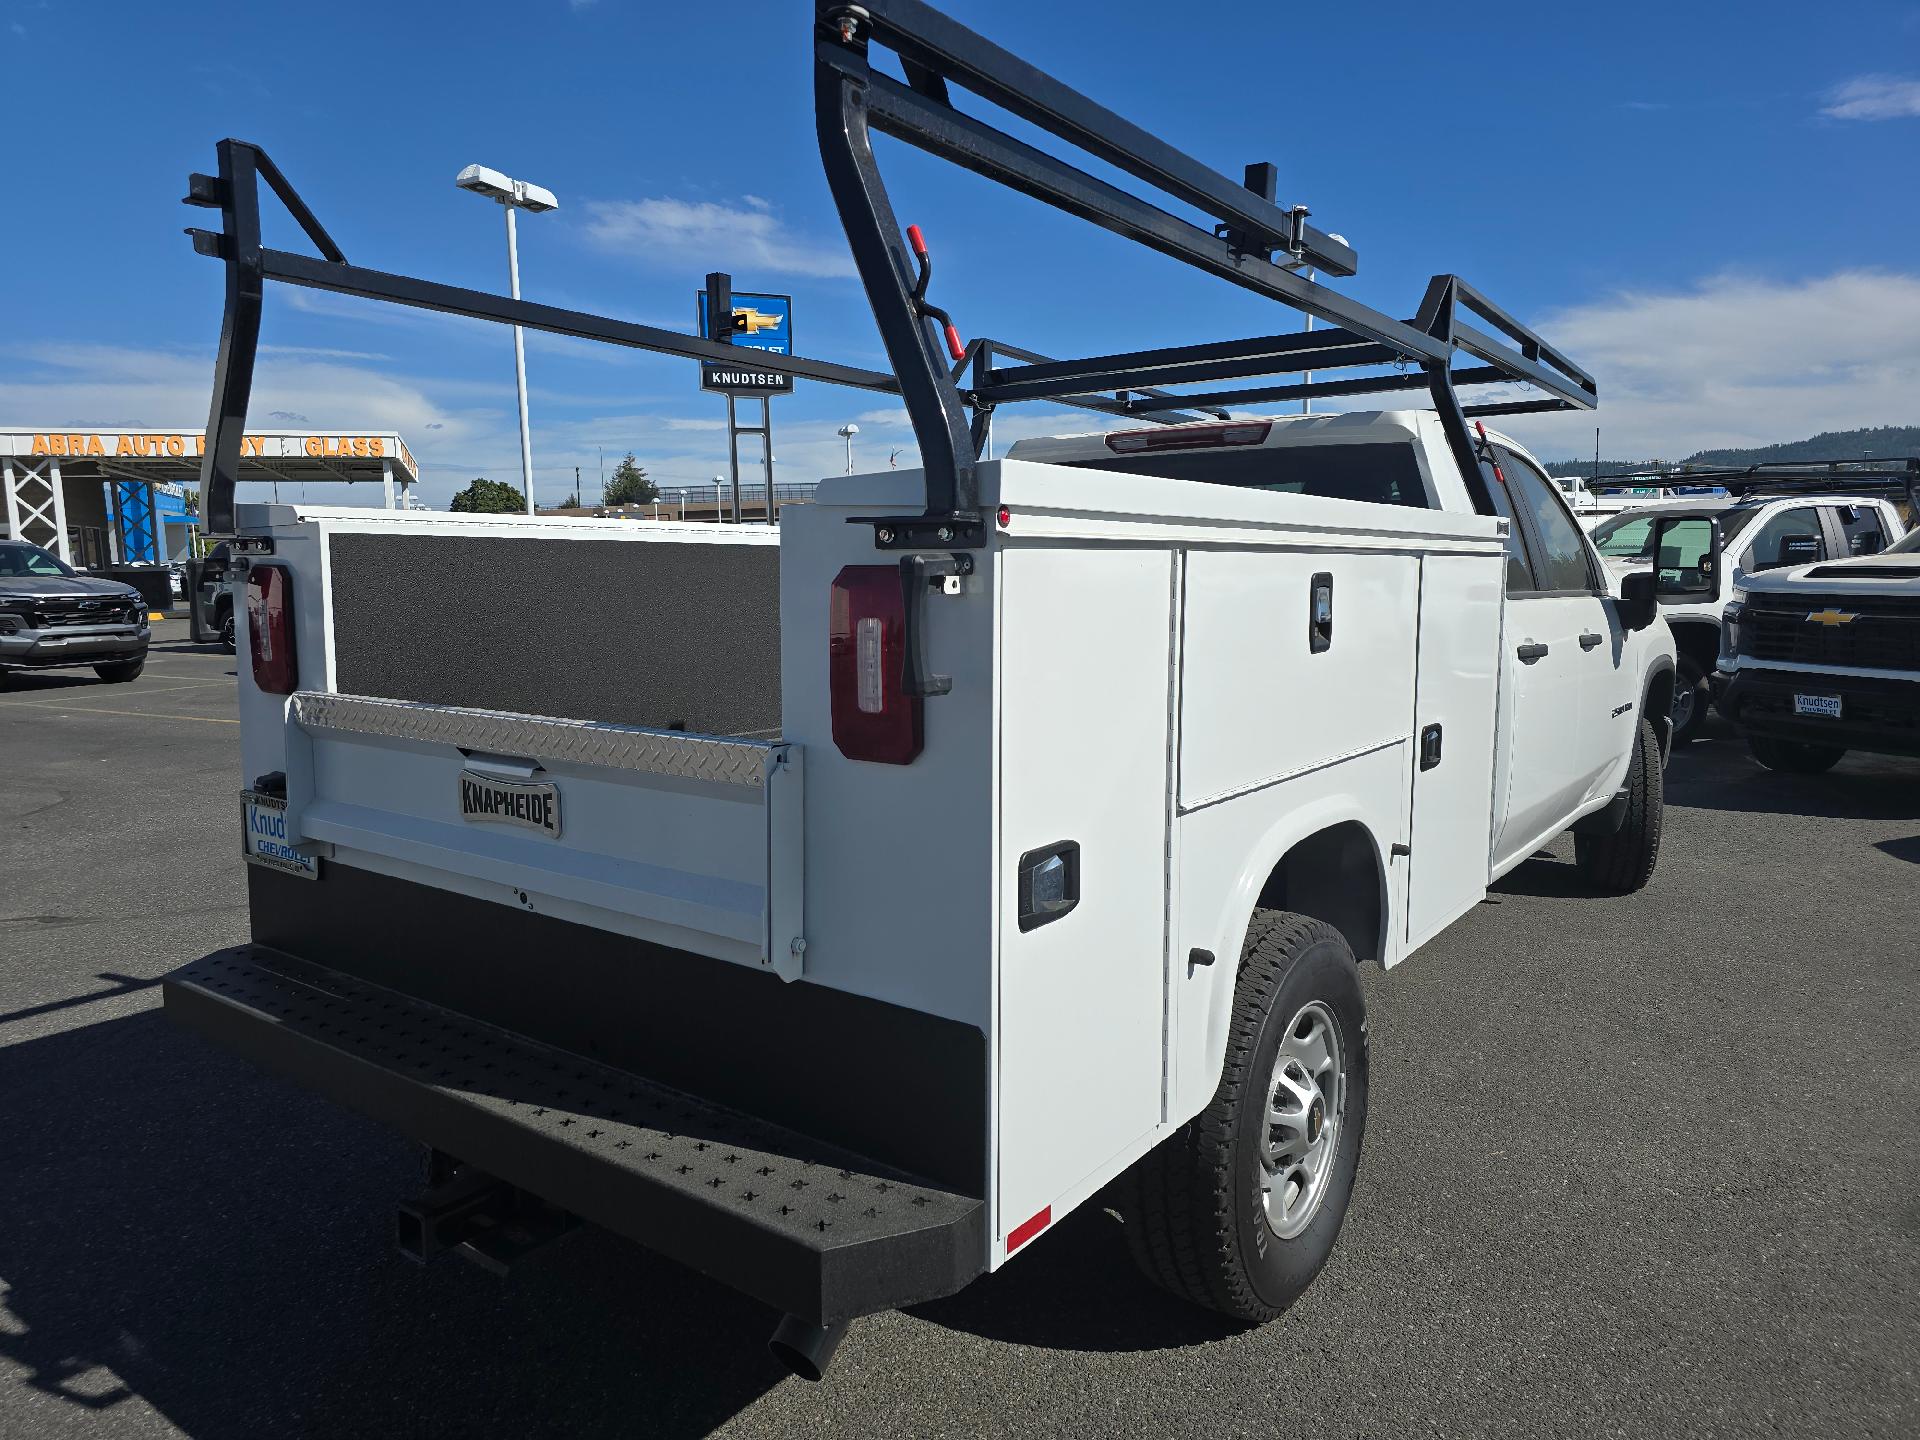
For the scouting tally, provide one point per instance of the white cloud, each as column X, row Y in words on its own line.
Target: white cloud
column 1737, row 360
column 1874, row 97
column 748, row 238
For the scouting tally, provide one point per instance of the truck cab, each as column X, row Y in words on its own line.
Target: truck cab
column 1817, row 660
column 1758, row 533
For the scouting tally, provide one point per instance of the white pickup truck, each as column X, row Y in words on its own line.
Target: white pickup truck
column 1821, row 659
column 989, row 837
column 1759, row 530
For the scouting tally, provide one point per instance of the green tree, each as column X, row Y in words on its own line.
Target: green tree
column 629, row 485
column 489, row 497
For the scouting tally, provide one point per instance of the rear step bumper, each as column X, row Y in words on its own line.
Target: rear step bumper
column 808, row 1228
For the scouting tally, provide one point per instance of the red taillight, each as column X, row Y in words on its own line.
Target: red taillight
column 1189, row 437
column 873, row 716
column 276, row 668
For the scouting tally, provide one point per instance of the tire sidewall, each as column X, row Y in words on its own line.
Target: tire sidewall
column 1689, row 679
column 1277, row 1269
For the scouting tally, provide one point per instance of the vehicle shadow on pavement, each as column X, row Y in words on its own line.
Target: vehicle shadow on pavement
column 177, row 1227
column 188, row 647
column 1722, row 775
column 27, row 682
column 1078, row 1291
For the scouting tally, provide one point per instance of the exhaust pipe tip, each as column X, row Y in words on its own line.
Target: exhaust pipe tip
column 804, row 1348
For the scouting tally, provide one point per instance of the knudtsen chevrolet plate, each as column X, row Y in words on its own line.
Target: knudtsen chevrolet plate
column 533, row 804
column 1828, row 705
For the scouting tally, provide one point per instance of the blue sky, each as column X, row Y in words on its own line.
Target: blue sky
column 1713, row 206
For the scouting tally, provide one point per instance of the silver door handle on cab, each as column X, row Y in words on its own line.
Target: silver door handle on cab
column 1531, row 652
column 1589, row 640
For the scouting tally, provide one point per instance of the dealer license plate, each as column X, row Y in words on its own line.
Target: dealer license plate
column 530, row 804
column 1828, row 705
column 264, row 819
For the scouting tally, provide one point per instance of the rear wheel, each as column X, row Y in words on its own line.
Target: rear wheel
column 1794, row 757
column 121, row 671
column 1690, row 699
column 1239, row 1208
column 1621, row 863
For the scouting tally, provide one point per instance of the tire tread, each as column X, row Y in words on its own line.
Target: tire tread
column 1621, row 863
column 1178, row 1198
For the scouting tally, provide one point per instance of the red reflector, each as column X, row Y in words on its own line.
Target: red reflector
column 873, row 716
column 1189, row 437
column 1024, row 1232
column 1006, row 517
column 270, row 639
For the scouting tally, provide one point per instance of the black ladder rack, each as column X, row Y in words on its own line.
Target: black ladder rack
column 1256, row 244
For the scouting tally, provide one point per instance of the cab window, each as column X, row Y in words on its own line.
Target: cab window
column 1385, row 473
column 1791, row 537
column 1861, row 526
column 1561, row 560
column 1626, row 537
column 19, row 559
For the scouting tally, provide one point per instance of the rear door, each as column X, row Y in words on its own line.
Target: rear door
column 1569, row 570
column 1541, row 665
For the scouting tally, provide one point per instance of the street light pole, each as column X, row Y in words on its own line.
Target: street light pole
column 847, row 432
column 519, row 356
column 512, row 195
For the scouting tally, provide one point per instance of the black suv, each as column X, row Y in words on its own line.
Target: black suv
column 216, row 597
column 51, row 616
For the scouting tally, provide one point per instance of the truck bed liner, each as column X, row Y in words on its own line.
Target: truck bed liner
column 805, row 1226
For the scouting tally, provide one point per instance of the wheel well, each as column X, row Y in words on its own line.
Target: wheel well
column 1333, row 875
column 1659, row 707
column 1699, row 641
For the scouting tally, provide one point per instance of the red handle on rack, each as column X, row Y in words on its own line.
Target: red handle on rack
column 917, row 241
column 954, row 347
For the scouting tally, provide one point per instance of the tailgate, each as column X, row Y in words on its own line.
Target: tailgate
column 688, row 840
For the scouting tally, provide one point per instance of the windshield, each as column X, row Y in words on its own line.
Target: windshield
column 1384, row 473
column 19, row 559
column 1629, row 535
column 1910, row 545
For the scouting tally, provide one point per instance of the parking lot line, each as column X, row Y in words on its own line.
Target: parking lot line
column 102, row 710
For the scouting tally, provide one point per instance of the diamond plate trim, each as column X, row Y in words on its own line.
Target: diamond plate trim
column 540, row 737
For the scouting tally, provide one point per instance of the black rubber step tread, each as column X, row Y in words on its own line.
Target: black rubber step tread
column 805, row 1226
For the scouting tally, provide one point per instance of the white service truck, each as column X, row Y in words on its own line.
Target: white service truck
column 986, row 838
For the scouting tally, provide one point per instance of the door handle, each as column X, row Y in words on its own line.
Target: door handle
column 1589, row 640
column 1531, row 652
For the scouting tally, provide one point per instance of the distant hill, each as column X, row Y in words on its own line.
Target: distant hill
column 1881, row 442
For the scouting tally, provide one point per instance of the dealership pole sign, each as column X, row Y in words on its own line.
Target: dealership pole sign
column 761, row 323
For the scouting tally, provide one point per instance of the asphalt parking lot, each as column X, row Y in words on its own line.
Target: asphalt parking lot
column 1634, row 1167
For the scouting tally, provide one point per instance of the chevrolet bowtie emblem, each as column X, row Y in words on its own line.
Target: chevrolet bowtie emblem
column 1831, row 616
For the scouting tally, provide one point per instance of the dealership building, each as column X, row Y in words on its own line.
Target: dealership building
column 97, row 497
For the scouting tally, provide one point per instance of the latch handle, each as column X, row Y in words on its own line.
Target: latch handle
column 919, row 574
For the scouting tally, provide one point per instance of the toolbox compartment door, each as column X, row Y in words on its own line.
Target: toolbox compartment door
column 686, row 840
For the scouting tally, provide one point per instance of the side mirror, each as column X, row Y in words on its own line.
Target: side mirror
column 1638, row 603
column 1686, row 557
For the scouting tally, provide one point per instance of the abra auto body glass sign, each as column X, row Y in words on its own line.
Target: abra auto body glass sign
column 192, row 444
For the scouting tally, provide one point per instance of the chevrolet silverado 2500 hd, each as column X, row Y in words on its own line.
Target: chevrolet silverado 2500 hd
column 1822, row 659
column 1777, row 519
column 990, row 836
